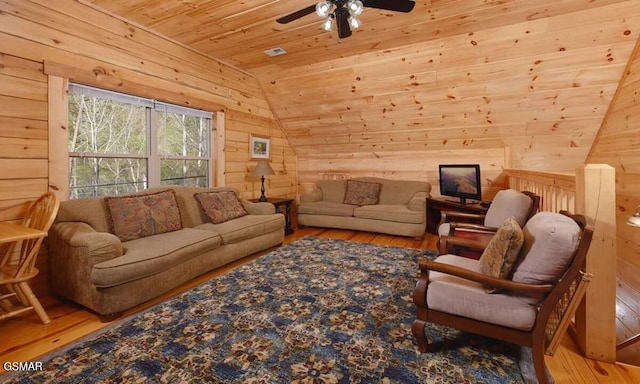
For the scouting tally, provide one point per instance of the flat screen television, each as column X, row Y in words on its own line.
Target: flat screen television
column 461, row 181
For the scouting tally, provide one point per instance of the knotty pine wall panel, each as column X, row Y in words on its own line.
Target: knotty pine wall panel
column 99, row 49
column 23, row 135
column 617, row 144
column 23, row 144
column 540, row 86
column 120, row 56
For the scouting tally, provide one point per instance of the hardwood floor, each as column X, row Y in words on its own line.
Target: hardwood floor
column 628, row 311
column 26, row 339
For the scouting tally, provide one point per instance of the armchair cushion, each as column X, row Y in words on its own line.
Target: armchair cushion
column 462, row 297
column 550, row 242
column 508, row 203
column 220, row 206
column 499, row 256
column 362, row 193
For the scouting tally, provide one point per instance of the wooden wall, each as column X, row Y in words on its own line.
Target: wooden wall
column 539, row 83
column 618, row 144
column 78, row 42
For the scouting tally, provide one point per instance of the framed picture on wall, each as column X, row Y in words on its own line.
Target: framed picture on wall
column 259, row 147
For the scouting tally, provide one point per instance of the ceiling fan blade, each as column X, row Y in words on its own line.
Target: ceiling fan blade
column 342, row 19
column 391, row 5
column 297, row 14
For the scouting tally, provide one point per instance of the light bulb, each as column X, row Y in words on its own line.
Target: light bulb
column 323, row 9
column 353, row 22
column 634, row 220
column 327, row 24
column 355, row 7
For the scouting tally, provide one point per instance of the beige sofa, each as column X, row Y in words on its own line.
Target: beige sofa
column 400, row 210
column 93, row 267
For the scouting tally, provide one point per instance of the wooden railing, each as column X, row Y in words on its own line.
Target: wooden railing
column 557, row 191
column 590, row 192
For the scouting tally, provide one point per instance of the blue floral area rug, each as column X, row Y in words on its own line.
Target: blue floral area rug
column 313, row 311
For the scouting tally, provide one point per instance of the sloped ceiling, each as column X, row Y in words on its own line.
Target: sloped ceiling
column 536, row 76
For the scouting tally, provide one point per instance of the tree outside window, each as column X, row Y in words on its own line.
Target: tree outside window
column 120, row 143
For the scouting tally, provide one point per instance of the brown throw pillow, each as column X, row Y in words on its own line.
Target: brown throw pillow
column 220, row 206
column 362, row 193
column 134, row 217
column 501, row 253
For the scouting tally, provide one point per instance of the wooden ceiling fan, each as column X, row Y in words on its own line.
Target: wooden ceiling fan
column 345, row 12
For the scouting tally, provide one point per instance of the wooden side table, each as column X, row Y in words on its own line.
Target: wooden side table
column 437, row 204
column 280, row 202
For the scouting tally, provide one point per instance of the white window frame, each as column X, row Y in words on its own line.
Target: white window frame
column 152, row 155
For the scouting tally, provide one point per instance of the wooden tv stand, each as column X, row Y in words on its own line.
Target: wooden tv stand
column 437, row 204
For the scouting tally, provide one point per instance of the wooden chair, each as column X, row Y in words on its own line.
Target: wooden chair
column 533, row 308
column 507, row 203
column 15, row 272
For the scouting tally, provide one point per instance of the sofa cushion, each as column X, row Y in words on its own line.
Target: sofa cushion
column 550, row 242
column 397, row 213
column 245, row 227
column 151, row 255
column 397, row 191
column 220, row 206
column 135, row 217
column 502, row 251
column 326, row 208
column 466, row 298
column 332, row 190
column 362, row 193
column 190, row 209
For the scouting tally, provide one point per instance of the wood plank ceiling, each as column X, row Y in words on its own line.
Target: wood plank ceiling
column 452, row 75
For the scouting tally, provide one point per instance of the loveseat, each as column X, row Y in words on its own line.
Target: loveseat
column 396, row 207
column 112, row 253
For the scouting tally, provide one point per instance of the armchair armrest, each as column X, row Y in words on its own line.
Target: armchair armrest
column 471, row 226
column 447, row 216
column 449, row 244
column 489, row 281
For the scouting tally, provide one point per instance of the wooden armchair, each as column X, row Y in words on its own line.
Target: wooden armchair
column 507, row 203
column 16, row 296
column 531, row 308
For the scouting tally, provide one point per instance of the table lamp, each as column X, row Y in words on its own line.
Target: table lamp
column 263, row 168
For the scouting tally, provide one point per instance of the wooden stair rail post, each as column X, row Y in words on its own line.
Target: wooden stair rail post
column 596, row 316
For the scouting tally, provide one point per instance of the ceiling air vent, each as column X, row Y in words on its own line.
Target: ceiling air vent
column 275, row 51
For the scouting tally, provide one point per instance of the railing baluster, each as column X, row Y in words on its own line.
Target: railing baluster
column 557, row 191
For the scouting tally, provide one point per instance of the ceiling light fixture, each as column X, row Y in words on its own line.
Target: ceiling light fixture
column 327, row 24
column 634, row 220
column 342, row 11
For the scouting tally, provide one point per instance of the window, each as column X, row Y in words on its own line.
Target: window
column 120, row 143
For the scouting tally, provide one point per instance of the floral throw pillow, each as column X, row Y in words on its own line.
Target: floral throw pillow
column 501, row 253
column 134, row 217
column 220, row 206
column 362, row 193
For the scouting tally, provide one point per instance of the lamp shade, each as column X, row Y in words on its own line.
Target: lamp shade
column 263, row 169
